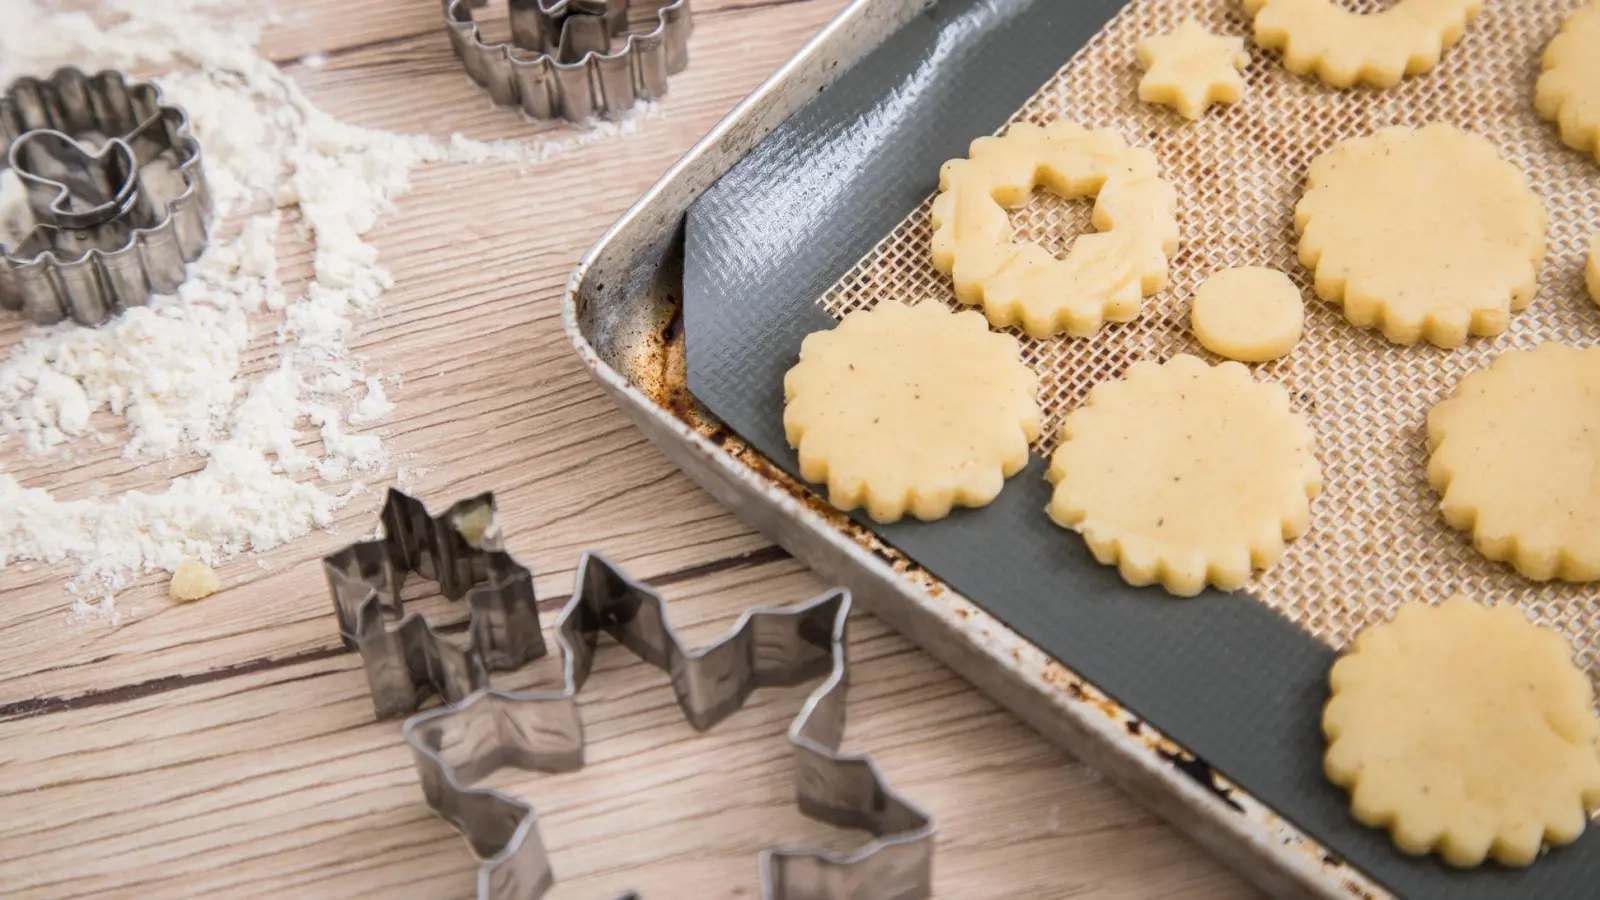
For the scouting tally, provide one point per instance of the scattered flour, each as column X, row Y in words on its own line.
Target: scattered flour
column 170, row 373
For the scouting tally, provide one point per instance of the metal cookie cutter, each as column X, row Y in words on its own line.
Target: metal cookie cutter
column 459, row 745
column 110, row 226
column 574, row 59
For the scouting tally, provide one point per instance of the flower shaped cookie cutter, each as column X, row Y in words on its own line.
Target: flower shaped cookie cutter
column 479, row 732
column 574, row 59
column 110, row 226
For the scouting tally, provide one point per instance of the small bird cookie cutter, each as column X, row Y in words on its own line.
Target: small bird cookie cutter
column 574, row 59
column 109, row 226
column 484, row 729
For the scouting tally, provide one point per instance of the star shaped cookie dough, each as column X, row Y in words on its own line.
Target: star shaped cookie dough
column 1189, row 69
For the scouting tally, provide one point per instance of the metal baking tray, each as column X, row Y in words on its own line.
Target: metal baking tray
column 623, row 311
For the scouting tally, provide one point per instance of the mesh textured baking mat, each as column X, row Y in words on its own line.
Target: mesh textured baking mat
column 1377, row 537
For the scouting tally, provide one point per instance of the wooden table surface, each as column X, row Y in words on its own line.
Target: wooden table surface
column 227, row 748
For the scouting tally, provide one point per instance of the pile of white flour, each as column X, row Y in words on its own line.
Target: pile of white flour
column 170, row 373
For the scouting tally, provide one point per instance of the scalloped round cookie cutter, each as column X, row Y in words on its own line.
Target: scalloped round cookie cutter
column 103, row 236
column 1107, row 273
column 574, row 59
column 483, row 729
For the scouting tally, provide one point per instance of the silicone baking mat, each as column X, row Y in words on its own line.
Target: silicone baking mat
column 799, row 226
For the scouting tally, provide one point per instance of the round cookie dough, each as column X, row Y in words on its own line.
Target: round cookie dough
column 1185, row 474
column 1250, row 314
column 910, row 409
column 1515, row 455
column 1465, row 730
column 1568, row 92
column 1107, row 273
column 1343, row 47
column 1424, row 234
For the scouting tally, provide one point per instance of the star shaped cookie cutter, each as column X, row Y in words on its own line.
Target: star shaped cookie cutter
column 574, row 59
column 110, row 227
column 460, row 744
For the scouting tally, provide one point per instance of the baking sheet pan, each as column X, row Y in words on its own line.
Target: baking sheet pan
column 1223, row 675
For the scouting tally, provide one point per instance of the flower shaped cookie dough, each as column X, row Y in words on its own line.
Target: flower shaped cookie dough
column 1569, row 88
column 910, row 408
column 1515, row 452
column 1107, row 273
column 1183, row 473
column 1343, row 47
column 1466, row 730
column 1423, row 233
column 1190, row 69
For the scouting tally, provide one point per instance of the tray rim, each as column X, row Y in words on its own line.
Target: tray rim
column 1065, row 708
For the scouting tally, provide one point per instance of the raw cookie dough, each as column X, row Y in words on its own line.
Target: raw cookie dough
column 914, row 409
column 1184, row 473
column 1189, row 69
column 1466, row 730
column 1249, row 314
column 193, row 580
column 1107, row 273
column 1592, row 271
column 1423, row 234
column 1568, row 92
column 1516, row 460
column 1343, row 47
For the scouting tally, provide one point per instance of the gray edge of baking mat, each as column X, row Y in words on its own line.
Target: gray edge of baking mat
column 1223, row 675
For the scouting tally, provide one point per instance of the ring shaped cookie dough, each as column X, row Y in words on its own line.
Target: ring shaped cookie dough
column 1466, row 730
column 1568, row 92
column 910, row 409
column 1424, row 234
column 1185, row 474
column 1343, row 48
column 1249, row 314
column 1515, row 457
column 1105, row 275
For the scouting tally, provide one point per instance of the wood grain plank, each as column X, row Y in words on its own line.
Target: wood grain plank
column 279, row 784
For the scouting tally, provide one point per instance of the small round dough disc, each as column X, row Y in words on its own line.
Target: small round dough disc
column 911, row 409
column 1465, row 730
column 1249, row 314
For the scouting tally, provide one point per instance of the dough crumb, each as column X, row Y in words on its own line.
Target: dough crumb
column 193, row 580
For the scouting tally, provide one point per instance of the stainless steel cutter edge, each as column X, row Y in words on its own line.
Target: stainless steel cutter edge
column 614, row 301
column 542, row 731
column 93, row 285
column 605, row 84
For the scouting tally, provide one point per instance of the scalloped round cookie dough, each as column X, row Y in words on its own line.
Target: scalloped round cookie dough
column 910, row 409
column 1107, row 273
column 1343, row 47
column 1568, row 92
column 1465, row 730
column 1515, row 457
column 1190, row 68
column 1185, row 474
column 1249, row 313
column 1423, row 234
